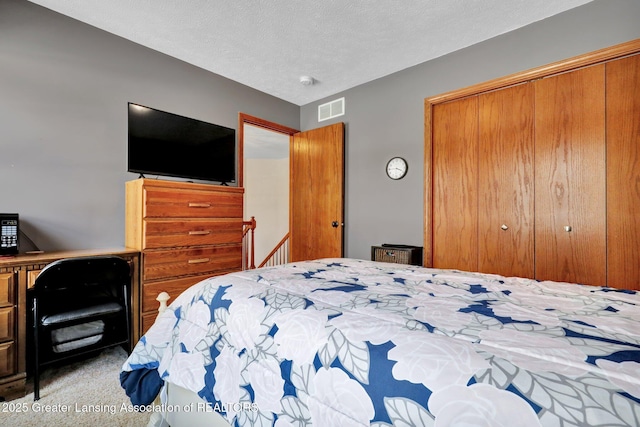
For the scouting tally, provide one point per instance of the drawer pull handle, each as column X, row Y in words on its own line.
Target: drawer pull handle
column 388, row 253
column 198, row 260
column 199, row 205
column 199, row 232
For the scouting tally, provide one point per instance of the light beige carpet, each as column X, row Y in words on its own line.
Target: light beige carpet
column 89, row 390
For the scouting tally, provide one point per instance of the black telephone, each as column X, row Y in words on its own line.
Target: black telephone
column 9, row 230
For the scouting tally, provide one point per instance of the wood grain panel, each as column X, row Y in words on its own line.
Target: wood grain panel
column 6, row 289
column 570, row 177
column 7, row 358
column 147, row 321
column 455, row 184
column 7, row 324
column 622, row 237
column 176, row 262
column 162, row 233
column 133, row 214
column 170, row 203
column 427, row 260
column 505, row 181
column 31, row 278
column 317, row 193
column 623, row 173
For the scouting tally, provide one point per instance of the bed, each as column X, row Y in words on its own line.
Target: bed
column 345, row 342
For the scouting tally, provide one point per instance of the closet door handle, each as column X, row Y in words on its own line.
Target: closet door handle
column 567, row 228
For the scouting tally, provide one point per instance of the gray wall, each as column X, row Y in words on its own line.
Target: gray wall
column 385, row 118
column 64, row 88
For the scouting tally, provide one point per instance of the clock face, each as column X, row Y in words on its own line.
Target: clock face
column 397, row 168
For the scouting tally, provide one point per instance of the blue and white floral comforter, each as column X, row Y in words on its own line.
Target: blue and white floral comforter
column 342, row 342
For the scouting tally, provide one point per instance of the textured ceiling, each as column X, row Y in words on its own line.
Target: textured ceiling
column 269, row 44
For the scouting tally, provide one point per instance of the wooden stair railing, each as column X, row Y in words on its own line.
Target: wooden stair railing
column 279, row 255
column 248, row 245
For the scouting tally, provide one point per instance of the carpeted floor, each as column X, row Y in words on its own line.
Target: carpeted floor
column 89, row 390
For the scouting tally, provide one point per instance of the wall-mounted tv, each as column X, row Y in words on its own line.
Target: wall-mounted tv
column 162, row 143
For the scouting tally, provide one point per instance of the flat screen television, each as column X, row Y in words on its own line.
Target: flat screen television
column 162, row 143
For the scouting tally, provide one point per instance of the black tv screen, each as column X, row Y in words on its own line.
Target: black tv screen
column 167, row 144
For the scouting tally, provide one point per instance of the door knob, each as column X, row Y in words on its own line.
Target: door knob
column 504, row 227
column 334, row 224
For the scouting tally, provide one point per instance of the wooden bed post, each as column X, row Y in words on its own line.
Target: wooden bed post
column 162, row 298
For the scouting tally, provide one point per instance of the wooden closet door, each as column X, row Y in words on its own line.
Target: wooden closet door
column 505, row 183
column 623, row 173
column 455, row 184
column 570, row 177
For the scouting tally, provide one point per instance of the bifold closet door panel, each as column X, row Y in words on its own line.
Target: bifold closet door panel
column 570, row 193
column 455, row 184
column 505, row 184
column 623, row 173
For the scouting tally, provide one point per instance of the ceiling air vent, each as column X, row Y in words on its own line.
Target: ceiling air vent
column 331, row 109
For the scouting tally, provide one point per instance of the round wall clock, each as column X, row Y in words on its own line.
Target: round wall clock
column 397, row 168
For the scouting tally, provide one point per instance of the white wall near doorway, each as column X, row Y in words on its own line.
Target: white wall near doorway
column 266, row 186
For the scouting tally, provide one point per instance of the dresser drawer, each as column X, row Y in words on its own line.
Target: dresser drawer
column 7, row 329
column 161, row 233
column 7, row 358
column 6, row 289
column 174, row 287
column 146, row 320
column 180, row 203
column 174, row 263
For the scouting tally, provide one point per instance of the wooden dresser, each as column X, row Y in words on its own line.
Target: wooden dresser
column 17, row 275
column 186, row 233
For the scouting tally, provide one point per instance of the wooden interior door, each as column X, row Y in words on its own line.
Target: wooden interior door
column 570, row 209
column 505, row 181
column 317, row 193
column 455, row 184
column 623, row 172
